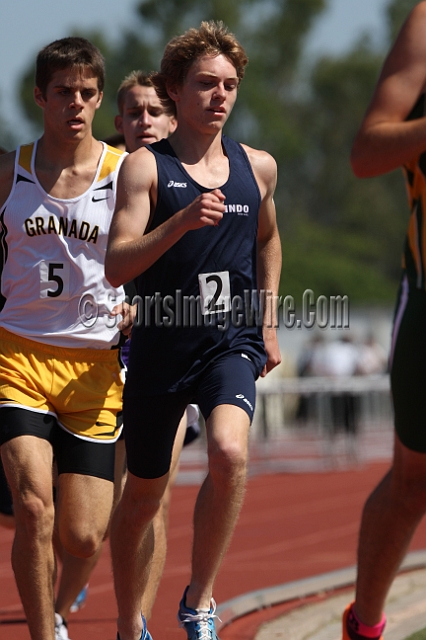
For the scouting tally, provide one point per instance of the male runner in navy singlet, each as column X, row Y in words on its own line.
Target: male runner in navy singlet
column 195, row 219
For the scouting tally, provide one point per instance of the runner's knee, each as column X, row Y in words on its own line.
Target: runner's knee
column 34, row 515
column 82, row 543
column 227, row 460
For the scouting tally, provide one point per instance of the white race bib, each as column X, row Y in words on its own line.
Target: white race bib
column 215, row 292
column 54, row 280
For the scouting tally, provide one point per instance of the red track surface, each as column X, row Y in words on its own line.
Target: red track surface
column 292, row 526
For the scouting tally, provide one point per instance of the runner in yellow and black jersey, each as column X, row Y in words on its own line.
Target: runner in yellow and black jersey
column 414, row 257
column 392, row 135
column 60, row 382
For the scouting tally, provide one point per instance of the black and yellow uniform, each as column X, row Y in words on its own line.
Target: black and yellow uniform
column 408, row 353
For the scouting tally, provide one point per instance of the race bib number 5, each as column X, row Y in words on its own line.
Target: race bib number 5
column 215, row 291
column 54, row 280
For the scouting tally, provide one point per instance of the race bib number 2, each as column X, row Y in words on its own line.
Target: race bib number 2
column 215, row 292
column 54, row 280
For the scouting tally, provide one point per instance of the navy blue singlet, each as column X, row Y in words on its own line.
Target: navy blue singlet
column 168, row 349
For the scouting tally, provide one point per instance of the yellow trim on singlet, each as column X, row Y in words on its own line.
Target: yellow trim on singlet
column 413, row 241
column 110, row 162
column 25, row 156
column 415, row 252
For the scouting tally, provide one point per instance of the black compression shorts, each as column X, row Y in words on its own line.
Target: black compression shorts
column 151, row 422
column 72, row 454
column 408, row 368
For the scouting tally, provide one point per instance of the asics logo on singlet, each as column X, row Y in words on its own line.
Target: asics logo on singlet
column 240, row 396
column 181, row 185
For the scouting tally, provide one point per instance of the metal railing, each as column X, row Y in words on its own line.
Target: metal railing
column 322, row 403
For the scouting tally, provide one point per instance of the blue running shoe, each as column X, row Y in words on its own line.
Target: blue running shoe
column 80, row 600
column 198, row 624
column 145, row 633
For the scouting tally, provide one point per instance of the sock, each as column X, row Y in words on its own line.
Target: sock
column 357, row 630
column 60, row 620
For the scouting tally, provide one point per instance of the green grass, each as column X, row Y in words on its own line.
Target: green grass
column 419, row 635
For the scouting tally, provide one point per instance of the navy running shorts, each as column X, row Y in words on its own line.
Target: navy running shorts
column 151, row 421
column 408, row 368
column 72, row 454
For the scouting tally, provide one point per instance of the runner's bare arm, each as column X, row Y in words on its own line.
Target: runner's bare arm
column 130, row 251
column 269, row 251
column 385, row 140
